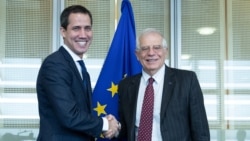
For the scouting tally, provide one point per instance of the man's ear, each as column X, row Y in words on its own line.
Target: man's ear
column 62, row 31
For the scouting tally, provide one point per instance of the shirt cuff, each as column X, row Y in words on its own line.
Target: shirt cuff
column 105, row 126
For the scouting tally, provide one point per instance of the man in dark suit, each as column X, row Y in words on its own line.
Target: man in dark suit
column 63, row 86
column 178, row 111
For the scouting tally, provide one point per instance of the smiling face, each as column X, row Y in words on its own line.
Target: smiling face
column 78, row 35
column 151, row 53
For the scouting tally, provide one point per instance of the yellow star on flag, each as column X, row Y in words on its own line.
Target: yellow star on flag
column 113, row 89
column 100, row 109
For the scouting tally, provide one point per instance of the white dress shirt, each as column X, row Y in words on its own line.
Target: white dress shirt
column 158, row 89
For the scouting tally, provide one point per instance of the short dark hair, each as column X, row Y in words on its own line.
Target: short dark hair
column 64, row 18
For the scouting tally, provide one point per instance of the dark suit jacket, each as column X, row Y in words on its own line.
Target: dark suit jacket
column 64, row 105
column 182, row 115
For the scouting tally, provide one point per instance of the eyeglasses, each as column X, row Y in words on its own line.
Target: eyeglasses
column 156, row 48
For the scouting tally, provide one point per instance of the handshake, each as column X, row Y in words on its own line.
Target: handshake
column 114, row 127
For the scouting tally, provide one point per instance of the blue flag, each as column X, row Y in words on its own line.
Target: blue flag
column 120, row 62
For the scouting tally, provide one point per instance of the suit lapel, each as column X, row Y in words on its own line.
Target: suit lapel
column 72, row 65
column 168, row 87
column 132, row 99
column 133, row 92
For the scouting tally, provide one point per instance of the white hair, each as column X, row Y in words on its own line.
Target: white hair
column 150, row 30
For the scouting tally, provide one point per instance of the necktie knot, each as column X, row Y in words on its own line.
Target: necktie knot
column 82, row 66
column 151, row 80
column 85, row 74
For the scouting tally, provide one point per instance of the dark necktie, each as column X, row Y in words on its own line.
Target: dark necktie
column 146, row 121
column 86, row 83
column 85, row 75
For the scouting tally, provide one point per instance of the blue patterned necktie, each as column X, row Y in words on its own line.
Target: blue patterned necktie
column 146, row 121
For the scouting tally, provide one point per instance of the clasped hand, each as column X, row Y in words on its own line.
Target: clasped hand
column 114, row 127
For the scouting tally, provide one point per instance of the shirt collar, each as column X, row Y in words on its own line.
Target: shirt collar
column 72, row 54
column 158, row 76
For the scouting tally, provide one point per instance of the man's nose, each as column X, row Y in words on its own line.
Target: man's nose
column 82, row 32
column 151, row 50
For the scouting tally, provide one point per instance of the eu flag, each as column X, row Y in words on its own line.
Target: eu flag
column 119, row 63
